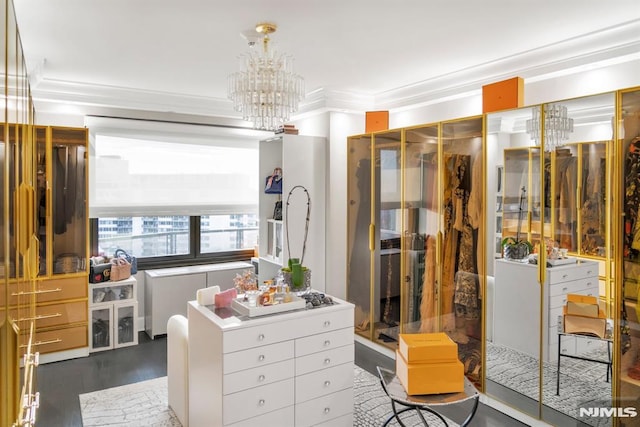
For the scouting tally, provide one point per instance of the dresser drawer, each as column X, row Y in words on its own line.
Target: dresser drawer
column 583, row 286
column 282, row 417
column 324, row 322
column 257, row 336
column 61, row 339
column 325, row 359
column 561, row 299
column 54, row 315
column 573, row 272
column 326, row 341
column 53, row 290
column 343, row 421
column 258, row 356
column 325, row 408
column 326, row 381
column 257, row 401
column 255, row 377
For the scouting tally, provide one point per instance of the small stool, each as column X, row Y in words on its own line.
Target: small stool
column 426, row 402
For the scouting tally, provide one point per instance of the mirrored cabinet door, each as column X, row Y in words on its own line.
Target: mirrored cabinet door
column 629, row 237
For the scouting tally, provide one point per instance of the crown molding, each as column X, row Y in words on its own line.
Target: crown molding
column 620, row 43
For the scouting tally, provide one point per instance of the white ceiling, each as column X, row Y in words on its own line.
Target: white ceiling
column 175, row 55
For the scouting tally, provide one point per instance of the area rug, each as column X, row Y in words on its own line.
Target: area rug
column 582, row 383
column 145, row 404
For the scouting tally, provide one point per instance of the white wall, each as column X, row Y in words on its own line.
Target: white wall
column 337, row 126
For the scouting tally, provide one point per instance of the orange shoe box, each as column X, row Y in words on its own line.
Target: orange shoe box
column 430, row 378
column 433, row 348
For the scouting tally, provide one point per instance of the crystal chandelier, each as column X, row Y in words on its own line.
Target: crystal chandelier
column 266, row 90
column 557, row 126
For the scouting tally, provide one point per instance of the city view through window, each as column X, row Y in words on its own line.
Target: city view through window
column 153, row 236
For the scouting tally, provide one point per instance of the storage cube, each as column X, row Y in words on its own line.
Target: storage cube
column 430, row 378
column 432, row 347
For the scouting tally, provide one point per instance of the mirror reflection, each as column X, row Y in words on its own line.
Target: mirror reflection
column 549, row 174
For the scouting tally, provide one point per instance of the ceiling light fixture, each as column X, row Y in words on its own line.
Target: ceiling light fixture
column 557, row 126
column 266, row 89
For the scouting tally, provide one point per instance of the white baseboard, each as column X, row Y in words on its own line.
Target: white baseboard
column 64, row 355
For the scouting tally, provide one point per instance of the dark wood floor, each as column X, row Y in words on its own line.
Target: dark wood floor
column 60, row 383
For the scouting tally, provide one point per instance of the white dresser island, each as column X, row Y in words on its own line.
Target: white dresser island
column 290, row 369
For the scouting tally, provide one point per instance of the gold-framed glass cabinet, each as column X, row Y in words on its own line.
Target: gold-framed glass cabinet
column 416, row 234
column 627, row 255
column 558, row 198
column 18, row 244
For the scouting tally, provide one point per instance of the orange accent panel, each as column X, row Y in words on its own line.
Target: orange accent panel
column 430, row 378
column 503, row 95
column 376, row 121
column 432, row 348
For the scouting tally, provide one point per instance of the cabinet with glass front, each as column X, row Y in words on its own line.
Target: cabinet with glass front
column 415, row 208
column 61, row 227
column 628, row 238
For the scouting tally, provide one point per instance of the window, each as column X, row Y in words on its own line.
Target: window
column 161, row 190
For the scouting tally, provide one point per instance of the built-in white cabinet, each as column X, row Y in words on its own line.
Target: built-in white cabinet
column 303, row 163
column 113, row 312
column 291, row 369
column 167, row 290
column 517, row 304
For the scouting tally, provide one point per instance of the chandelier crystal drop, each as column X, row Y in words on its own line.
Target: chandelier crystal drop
column 557, row 126
column 266, row 89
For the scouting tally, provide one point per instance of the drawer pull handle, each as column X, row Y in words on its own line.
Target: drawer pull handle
column 327, row 343
column 327, row 383
column 261, row 358
column 564, row 289
column 327, row 361
column 57, row 340
column 44, row 291
column 327, row 323
column 327, row 410
column 261, row 402
column 40, row 316
column 261, row 378
column 589, row 273
column 260, row 337
column 564, row 276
